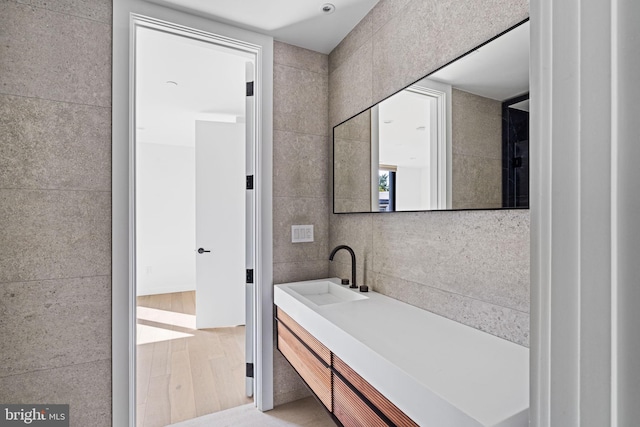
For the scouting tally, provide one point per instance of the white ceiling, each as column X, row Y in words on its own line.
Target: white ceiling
column 297, row 22
column 498, row 70
column 210, row 86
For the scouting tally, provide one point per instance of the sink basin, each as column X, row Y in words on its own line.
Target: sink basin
column 325, row 292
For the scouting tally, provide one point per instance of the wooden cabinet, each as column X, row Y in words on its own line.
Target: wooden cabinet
column 368, row 392
column 299, row 347
column 309, row 340
column 349, row 397
column 351, row 410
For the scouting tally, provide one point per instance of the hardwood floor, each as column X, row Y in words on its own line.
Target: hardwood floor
column 182, row 372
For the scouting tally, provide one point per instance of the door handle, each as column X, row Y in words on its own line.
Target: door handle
column 201, row 251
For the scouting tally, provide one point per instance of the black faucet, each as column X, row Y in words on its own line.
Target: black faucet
column 353, row 262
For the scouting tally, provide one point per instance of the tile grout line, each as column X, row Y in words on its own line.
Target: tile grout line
column 69, row 190
column 355, row 51
column 357, row 47
column 57, row 101
column 301, row 197
column 325, row 74
column 54, row 279
column 391, row 18
column 304, row 261
column 57, row 367
column 299, row 133
column 352, row 139
column 451, row 292
column 110, row 23
column 473, row 155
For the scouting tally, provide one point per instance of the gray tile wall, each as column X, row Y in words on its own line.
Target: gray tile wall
column 352, row 145
column 55, row 205
column 300, row 181
column 470, row 266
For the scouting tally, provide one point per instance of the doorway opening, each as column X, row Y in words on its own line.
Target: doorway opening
column 193, row 140
column 408, row 150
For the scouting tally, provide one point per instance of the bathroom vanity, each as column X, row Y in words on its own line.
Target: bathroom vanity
column 375, row 361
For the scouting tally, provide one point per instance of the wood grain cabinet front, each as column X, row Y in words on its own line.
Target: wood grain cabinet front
column 309, row 340
column 351, row 410
column 313, row 369
column 391, row 411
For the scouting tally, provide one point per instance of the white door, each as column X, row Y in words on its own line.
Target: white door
column 220, row 224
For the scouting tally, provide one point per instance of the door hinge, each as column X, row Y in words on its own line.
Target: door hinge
column 249, row 370
column 517, row 162
column 249, row 182
column 249, row 275
column 249, row 88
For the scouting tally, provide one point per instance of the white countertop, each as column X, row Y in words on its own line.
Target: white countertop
column 439, row 372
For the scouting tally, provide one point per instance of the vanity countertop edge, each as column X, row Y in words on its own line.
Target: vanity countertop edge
column 438, row 371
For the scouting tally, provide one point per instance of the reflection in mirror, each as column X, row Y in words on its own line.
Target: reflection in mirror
column 457, row 139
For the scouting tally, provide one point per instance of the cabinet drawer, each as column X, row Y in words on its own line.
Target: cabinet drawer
column 316, row 374
column 350, row 409
column 304, row 336
column 395, row 415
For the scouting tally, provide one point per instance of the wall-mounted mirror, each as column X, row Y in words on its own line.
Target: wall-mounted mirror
column 456, row 139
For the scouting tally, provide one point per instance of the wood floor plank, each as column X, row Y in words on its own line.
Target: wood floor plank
column 177, row 305
column 181, row 395
column 143, row 301
column 160, row 359
column 222, row 381
column 140, row 410
column 158, row 408
column 238, row 366
column 178, row 345
column 207, row 396
column 212, row 344
column 234, row 352
column 189, row 302
column 232, row 378
column 144, row 358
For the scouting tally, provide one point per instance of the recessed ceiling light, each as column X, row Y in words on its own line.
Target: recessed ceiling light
column 388, row 121
column 421, row 128
column 171, row 82
column 328, row 8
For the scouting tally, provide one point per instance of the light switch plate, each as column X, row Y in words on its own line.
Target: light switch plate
column 301, row 233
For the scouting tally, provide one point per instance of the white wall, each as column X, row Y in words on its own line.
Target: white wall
column 165, row 213
column 412, row 188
